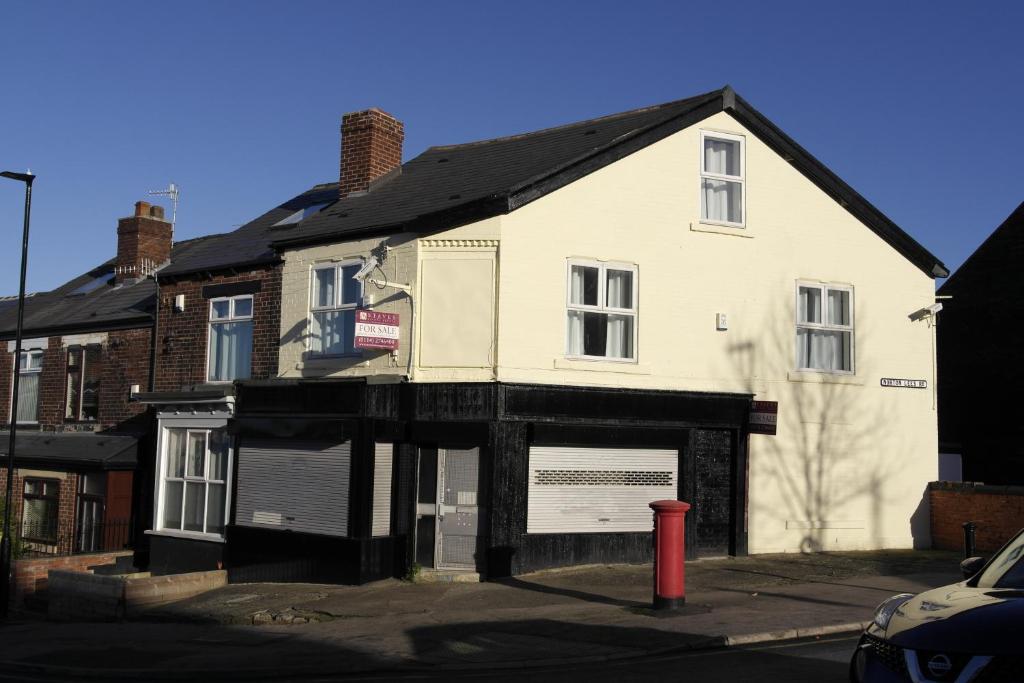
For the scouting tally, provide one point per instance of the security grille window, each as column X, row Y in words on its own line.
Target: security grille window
column 722, row 179
column 30, row 368
column 82, row 399
column 824, row 328
column 601, row 310
column 230, row 338
column 195, row 470
column 335, row 298
column 39, row 517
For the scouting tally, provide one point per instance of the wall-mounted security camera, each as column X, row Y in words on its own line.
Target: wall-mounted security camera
column 368, row 267
column 926, row 312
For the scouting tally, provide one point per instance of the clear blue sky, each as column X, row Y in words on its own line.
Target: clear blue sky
column 916, row 105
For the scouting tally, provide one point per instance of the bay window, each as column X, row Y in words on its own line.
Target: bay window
column 230, row 347
column 30, row 369
column 722, row 190
column 824, row 328
column 601, row 310
column 194, row 481
column 335, row 297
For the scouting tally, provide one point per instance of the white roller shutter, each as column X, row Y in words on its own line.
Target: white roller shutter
column 581, row 490
column 382, row 457
column 297, row 485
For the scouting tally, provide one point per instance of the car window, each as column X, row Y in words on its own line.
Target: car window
column 1007, row 569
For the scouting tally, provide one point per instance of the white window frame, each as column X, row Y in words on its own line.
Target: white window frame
column 83, row 350
column 211, row 321
column 824, row 287
column 603, row 267
column 163, row 478
column 26, row 371
column 337, row 305
column 741, row 178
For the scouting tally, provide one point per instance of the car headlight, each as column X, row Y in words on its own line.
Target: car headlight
column 884, row 612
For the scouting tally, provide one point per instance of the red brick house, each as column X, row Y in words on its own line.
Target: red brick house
column 85, row 352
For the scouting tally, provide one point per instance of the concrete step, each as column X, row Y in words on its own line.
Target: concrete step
column 447, row 576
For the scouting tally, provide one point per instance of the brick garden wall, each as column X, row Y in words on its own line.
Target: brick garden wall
column 998, row 512
column 30, row 575
column 181, row 347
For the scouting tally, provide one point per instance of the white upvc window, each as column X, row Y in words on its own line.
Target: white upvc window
column 824, row 327
column 722, row 172
column 601, row 307
column 230, row 339
column 334, row 298
column 30, row 369
column 194, row 470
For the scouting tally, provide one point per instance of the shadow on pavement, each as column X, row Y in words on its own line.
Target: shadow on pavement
column 568, row 592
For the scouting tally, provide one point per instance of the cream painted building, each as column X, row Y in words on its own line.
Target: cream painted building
column 584, row 317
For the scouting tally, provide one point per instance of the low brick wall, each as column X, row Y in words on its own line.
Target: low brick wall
column 998, row 512
column 81, row 596
column 30, row 575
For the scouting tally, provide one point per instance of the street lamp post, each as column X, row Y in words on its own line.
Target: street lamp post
column 6, row 547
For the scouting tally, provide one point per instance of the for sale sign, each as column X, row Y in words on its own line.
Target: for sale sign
column 764, row 417
column 376, row 330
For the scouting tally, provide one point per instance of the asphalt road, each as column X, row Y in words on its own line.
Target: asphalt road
column 816, row 661
column 813, row 661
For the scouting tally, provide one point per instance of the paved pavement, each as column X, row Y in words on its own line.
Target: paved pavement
column 579, row 616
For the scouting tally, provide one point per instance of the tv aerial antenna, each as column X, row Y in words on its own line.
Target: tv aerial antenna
column 172, row 191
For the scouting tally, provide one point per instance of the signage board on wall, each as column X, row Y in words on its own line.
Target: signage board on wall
column 905, row 383
column 376, row 330
column 764, row 417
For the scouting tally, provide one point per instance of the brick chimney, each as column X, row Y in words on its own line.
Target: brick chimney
column 143, row 242
column 371, row 146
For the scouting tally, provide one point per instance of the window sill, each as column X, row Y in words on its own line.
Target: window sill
column 721, row 229
column 595, row 365
column 815, row 377
column 189, row 535
column 333, row 362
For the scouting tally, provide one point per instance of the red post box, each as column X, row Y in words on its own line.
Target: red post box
column 669, row 560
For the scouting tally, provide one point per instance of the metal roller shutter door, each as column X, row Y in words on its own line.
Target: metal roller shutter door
column 297, row 485
column 383, row 453
column 585, row 490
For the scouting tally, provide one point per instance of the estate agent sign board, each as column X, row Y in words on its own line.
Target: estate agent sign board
column 764, row 417
column 376, row 330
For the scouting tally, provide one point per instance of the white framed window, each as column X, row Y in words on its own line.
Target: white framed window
column 230, row 339
column 334, row 298
column 722, row 172
column 30, row 369
column 194, row 472
column 824, row 327
column 601, row 306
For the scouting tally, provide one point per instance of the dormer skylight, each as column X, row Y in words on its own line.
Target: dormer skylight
column 301, row 214
column 92, row 285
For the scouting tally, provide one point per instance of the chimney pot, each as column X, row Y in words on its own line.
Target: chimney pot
column 142, row 208
column 156, row 212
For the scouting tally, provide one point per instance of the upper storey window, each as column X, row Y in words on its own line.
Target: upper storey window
column 824, row 328
column 230, row 345
column 601, row 310
column 82, row 393
column 30, row 368
column 722, row 187
column 335, row 298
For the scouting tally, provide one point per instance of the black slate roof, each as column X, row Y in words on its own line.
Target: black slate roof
column 72, row 449
column 132, row 303
column 250, row 244
column 452, row 185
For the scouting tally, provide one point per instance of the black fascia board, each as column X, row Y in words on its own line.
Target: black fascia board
column 575, row 169
column 211, row 271
column 834, row 186
column 138, row 322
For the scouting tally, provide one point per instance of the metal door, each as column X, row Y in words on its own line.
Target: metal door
column 459, row 518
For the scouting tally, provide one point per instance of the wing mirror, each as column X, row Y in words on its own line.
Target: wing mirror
column 971, row 566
